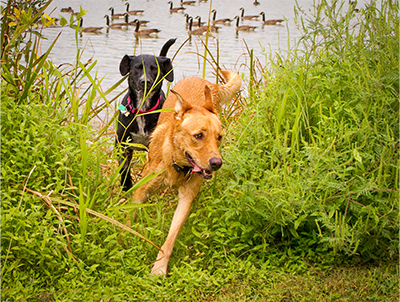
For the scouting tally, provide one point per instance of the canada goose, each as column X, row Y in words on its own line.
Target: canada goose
column 200, row 24
column 116, row 16
column 219, row 21
column 133, row 12
column 188, row 2
column 67, row 10
column 212, row 27
column 196, row 24
column 248, row 17
column 243, row 27
column 91, row 29
column 141, row 22
column 255, row 3
column 187, row 19
column 176, row 9
column 197, row 31
column 116, row 25
column 271, row 21
column 144, row 32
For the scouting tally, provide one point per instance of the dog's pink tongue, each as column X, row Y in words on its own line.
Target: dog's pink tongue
column 196, row 169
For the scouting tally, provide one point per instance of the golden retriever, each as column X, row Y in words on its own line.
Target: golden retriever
column 184, row 148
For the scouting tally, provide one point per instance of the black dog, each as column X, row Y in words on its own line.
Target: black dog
column 145, row 81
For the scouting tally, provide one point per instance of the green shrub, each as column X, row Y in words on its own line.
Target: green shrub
column 312, row 164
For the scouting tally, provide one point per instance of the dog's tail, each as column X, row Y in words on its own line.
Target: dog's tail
column 165, row 48
column 228, row 91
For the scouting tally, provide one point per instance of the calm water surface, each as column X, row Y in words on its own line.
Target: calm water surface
column 109, row 46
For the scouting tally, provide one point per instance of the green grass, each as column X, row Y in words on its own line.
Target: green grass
column 305, row 208
column 314, row 158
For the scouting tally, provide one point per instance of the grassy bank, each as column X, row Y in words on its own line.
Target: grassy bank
column 305, row 208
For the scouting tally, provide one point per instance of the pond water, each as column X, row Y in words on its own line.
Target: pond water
column 109, row 46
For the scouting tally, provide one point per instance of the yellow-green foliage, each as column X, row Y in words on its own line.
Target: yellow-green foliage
column 313, row 161
column 308, row 193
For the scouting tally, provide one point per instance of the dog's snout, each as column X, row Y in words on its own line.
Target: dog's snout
column 215, row 163
column 144, row 82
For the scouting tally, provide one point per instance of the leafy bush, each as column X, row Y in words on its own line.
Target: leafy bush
column 313, row 161
column 50, row 156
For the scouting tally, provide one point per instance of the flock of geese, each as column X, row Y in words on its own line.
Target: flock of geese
column 193, row 27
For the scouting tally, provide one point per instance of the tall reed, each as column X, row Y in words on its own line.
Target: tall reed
column 47, row 117
column 314, row 162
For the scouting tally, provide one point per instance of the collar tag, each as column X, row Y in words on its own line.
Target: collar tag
column 123, row 110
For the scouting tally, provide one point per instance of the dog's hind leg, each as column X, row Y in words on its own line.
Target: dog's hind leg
column 187, row 193
column 126, row 179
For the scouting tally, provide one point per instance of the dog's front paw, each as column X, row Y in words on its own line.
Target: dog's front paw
column 159, row 270
column 160, row 267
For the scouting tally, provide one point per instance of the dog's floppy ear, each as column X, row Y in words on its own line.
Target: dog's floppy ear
column 208, row 104
column 180, row 106
column 166, row 68
column 124, row 66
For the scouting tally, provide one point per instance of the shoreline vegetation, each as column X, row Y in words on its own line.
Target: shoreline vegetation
column 306, row 207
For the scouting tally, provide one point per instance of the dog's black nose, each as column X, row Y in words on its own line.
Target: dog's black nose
column 215, row 163
column 144, row 83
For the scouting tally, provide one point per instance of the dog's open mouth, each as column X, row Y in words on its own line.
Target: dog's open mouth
column 206, row 174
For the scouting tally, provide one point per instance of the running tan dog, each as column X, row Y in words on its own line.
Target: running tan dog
column 184, row 148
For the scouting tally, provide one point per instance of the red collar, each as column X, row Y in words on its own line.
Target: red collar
column 130, row 106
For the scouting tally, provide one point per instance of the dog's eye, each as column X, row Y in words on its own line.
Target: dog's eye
column 199, row 136
column 219, row 138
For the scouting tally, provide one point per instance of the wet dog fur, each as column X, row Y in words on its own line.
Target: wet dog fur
column 184, row 148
